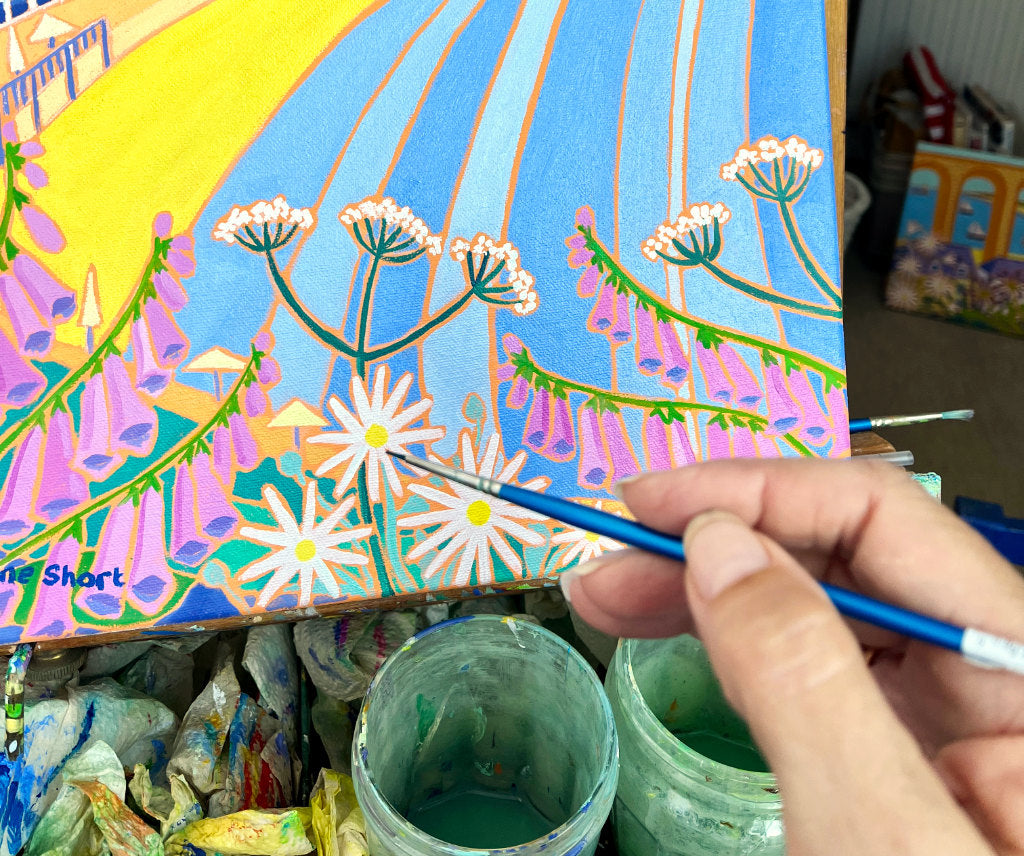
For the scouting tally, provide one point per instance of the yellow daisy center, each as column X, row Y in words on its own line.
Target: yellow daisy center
column 478, row 513
column 305, row 550
column 376, row 436
column 591, row 537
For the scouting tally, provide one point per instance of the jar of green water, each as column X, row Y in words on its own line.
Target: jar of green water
column 485, row 733
column 691, row 780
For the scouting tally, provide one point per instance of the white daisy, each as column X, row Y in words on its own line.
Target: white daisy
column 940, row 287
column 307, row 550
column 902, row 295
column 908, row 264
column 585, row 545
column 377, row 425
column 472, row 523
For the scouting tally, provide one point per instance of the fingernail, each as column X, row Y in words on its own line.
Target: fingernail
column 567, row 577
column 721, row 550
column 621, row 483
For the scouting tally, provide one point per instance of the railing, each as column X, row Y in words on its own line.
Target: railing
column 25, row 88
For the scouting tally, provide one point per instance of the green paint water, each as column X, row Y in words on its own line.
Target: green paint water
column 734, row 750
column 482, row 819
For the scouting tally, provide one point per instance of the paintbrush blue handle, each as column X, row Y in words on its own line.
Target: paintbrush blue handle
column 857, row 425
column 595, row 520
column 849, row 603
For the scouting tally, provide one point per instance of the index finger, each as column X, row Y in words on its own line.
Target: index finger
column 898, row 543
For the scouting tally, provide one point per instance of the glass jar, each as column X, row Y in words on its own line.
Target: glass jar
column 482, row 733
column 672, row 799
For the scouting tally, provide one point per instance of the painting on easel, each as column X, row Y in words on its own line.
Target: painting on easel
column 534, row 239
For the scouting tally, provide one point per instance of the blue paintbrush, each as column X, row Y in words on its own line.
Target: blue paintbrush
column 983, row 649
column 873, row 422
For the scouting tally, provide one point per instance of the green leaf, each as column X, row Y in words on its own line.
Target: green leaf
column 11, row 249
column 77, row 531
column 768, row 358
column 790, row 365
column 19, row 198
column 719, row 420
column 709, row 338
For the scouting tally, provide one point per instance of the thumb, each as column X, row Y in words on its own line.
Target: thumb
column 792, row 668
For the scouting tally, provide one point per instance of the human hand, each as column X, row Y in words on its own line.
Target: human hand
column 919, row 752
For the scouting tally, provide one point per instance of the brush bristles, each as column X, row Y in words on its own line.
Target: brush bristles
column 962, row 415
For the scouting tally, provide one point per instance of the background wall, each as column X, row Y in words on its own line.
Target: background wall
column 974, row 41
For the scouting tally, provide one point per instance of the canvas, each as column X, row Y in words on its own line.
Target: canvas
column 960, row 250
column 248, row 248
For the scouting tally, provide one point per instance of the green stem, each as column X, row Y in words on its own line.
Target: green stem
column 375, row 520
column 796, row 444
column 747, row 287
column 528, row 369
column 328, row 337
column 623, row 280
column 230, row 403
column 810, row 265
column 5, row 223
column 102, row 350
column 415, row 335
column 362, row 331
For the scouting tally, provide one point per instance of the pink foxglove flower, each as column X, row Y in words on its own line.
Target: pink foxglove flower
column 246, row 453
column 588, row 282
column 162, row 224
column 835, row 401
column 19, row 487
column 132, row 423
column 149, row 581
column 816, row 423
column 183, row 244
column 189, row 546
column 621, row 330
column 585, row 216
column 519, row 392
column 169, row 344
column 269, row 372
column 679, row 443
column 594, row 463
column 717, row 442
column 51, row 611
column 217, row 517
column 602, row 316
column 549, row 428
column 718, row 386
column 180, row 263
column 9, row 132
column 21, row 383
column 579, row 255
column 112, row 558
column 766, row 445
column 35, row 175
column 95, row 457
column 44, row 231
column 623, row 458
column 748, row 390
column 60, row 487
column 648, row 354
column 256, row 402
column 150, row 376
column 743, row 443
column 223, row 460
column 169, row 290
column 668, row 446
column 33, row 332
column 783, row 413
column 677, row 366
column 52, row 299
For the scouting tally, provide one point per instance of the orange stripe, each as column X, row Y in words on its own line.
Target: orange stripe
column 435, row 261
column 622, row 119
column 359, row 120
column 411, row 123
column 531, row 106
column 757, row 212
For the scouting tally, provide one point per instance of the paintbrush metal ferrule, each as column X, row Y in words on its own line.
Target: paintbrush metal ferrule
column 485, row 485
